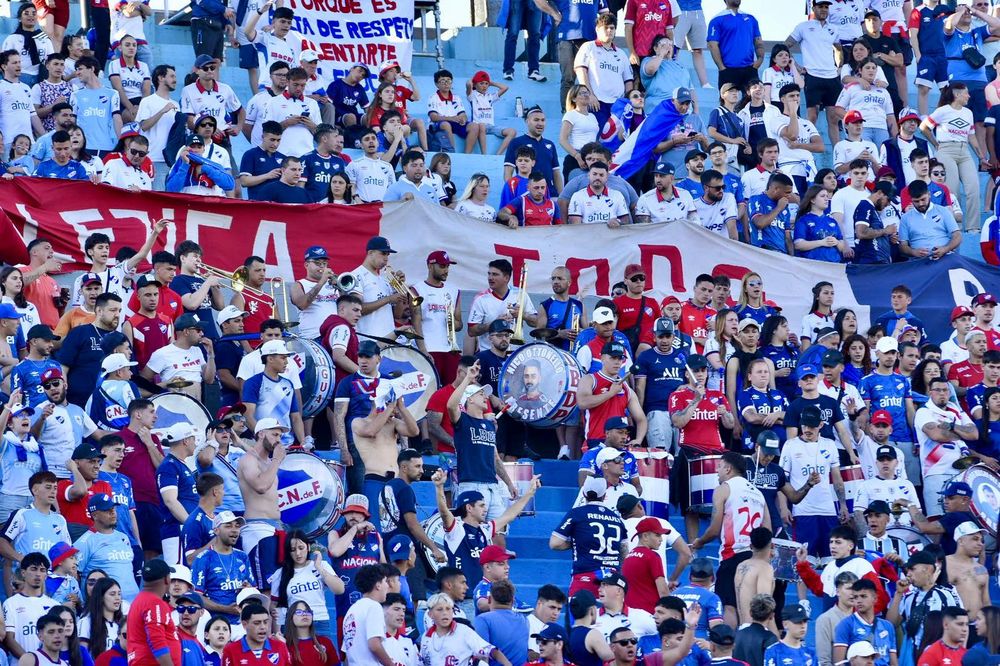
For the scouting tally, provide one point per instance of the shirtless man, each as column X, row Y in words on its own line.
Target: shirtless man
column 754, row 576
column 257, row 472
column 375, row 437
column 965, row 571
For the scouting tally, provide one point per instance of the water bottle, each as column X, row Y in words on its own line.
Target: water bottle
column 519, row 107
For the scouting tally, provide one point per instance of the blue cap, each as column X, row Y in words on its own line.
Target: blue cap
column 186, row 321
column 553, row 631
column 664, row 167
column 193, row 597
column 807, row 370
column 23, row 408
column 959, row 488
column 379, row 244
column 467, row 497
column 682, row 94
column 399, row 548
column 8, row 311
column 500, row 326
column 89, row 278
column 616, row 423
column 316, row 252
column 101, row 502
column 368, row 348
column 697, row 362
column 204, row 59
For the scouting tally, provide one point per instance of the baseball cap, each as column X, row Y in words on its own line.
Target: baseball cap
column 682, row 94
column 632, row 270
column 580, row 602
column 957, row 488
column 86, row 452
column 822, row 2
column 50, row 375
column 669, row 300
column 825, row 331
column 796, row 613
column 41, row 332
column 853, row 116
column 100, row 502
column 615, row 423
column 603, row 315
column 626, row 503
column 480, row 77
column 229, row 312
column 308, row 56
column 722, row 634
column 885, row 171
column 921, row 557
column 886, row 453
column 494, row 553
column 651, row 524
column 663, row 326
column 441, row 258
column 186, row 321
column 594, row 484
column 553, row 631
column 181, row 572
column 60, row 551
column 693, row 153
column 984, row 298
column 746, row 322
column 23, row 408
column 368, row 348
column 665, row 168
column 811, row 417
column 399, row 548
column 357, row 502
column 908, row 113
column 961, row 311
column 473, row 389
column 769, row 443
column 195, row 140
column 607, row 454
column 204, row 59
column 882, row 416
column 378, row 244
column 225, row 517
column 156, row 569
column 726, row 87
column 89, row 278
column 147, row 280
column 251, row 594
column 363, row 66
column 272, row 347
column 807, row 370
column 178, row 432
column 467, row 497
column 268, row 424
column 613, row 348
column 193, row 597
column 116, row 362
column 112, row 341
column 387, row 65
column 966, row 529
column 878, row 506
column 861, row 648
column 129, row 130
column 238, row 408
column 831, row 358
column 697, row 362
column 316, row 252
column 616, row 579
column 873, row 12
column 886, row 344
column 701, row 567
column 886, row 188
column 500, row 326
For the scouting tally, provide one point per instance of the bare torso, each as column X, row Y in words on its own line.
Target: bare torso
column 258, row 504
column 378, row 453
column 971, row 581
column 755, row 576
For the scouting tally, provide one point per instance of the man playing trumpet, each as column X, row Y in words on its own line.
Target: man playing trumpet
column 376, row 292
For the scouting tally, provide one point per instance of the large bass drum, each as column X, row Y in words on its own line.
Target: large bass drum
column 985, row 503
column 417, row 380
column 310, row 493
column 316, row 371
column 538, row 384
column 434, row 528
column 173, row 408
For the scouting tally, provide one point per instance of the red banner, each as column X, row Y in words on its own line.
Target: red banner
column 66, row 212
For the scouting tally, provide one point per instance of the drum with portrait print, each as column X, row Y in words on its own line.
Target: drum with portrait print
column 704, row 479
column 985, row 504
column 913, row 538
column 310, row 493
column 654, row 474
column 173, row 407
column 413, row 376
column 316, row 371
column 538, row 385
column 434, row 528
column 783, row 559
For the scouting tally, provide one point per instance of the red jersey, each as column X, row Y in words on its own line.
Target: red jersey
column 649, row 18
column 146, row 166
column 138, row 466
column 701, row 434
column 42, row 294
column 403, row 95
column 151, row 631
column 530, row 213
column 439, row 403
column 347, row 339
column 966, row 374
column 149, row 334
column 239, row 653
column 379, row 112
column 992, row 337
column 939, row 654
column 170, row 305
column 75, row 511
column 260, row 308
column 617, row 406
column 697, row 322
column 641, row 567
column 628, row 315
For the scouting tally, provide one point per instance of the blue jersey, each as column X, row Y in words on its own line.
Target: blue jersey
column 873, row 250
column 560, row 315
column 482, row 591
column 734, row 184
column 759, row 315
column 774, row 235
column 173, row 473
column 347, row 98
column 476, row 448
column 112, row 553
column 256, row 162
column 189, row 284
column 783, row 357
column 513, row 189
column 974, row 397
column 812, row 227
column 221, row 577
column 664, row 373
column 197, row 531
column 693, row 186
column 95, row 110
column 489, row 368
column 769, row 480
column 711, row 606
column 828, row 407
column 881, row 634
column 780, row 654
column 887, row 321
column 930, row 34
column 121, row 493
column 768, row 401
column 889, row 392
column 595, row 532
column 954, row 45
column 589, row 462
column 274, row 398
column 72, row 170
column 464, row 543
column 318, row 170
column 579, row 19
column 27, row 378
column 365, row 549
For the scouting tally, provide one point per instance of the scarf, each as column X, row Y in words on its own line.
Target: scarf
column 30, row 46
column 23, row 448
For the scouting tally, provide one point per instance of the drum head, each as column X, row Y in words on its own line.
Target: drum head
column 316, row 372
column 538, row 382
column 310, row 494
column 418, row 379
column 434, row 527
column 913, row 538
column 172, row 408
column 985, row 502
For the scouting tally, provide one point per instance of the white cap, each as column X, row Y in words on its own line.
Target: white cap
column 596, row 485
column 223, row 517
column 308, row 56
column 886, row 343
column 268, row 424
column 229, row 312
column 966, row 529
column 607, row 454
column 181, row 572
column 473, row 389
column 252, row 593
column 603, row 315
column 116, row 362
column 861, row 649
column 178, row 432
column 274, row 347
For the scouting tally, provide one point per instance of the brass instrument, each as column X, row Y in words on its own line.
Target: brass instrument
column 344, row 283
column 237, row 279
column 452, row 335
column 576, row 323
column 398, row 286
column 518, row 338
column 275, row 285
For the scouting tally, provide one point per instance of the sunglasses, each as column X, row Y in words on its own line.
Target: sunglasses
column 937, row 173
column 236, row 417
column 754, row 283
column 637, row 278
column 206, row 124
column 184, row 610
column 626, row 642
column 222, row 429
column 48, row 385
column 210, row 68
column 714, row 187
column 138, row 153
column 546, row 641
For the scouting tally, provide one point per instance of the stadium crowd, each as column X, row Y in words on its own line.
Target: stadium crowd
column 126, row 541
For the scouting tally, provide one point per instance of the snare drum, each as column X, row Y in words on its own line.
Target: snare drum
column 538, row 384
column 985, row 503
column 434, row 528
column 702, row 482
column 174, row 407
column 521, row 473
column 310, row 493
column 316, row 372
column 654, row 473
column 418, row 379
column 853, row 477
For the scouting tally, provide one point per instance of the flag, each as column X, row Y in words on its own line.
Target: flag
column 637, row 150
column 619, row 121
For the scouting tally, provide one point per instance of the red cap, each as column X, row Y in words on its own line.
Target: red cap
column 667, row 300
column 853, row 117
column 387, row 65
column 440, row 257
column 885, row 170
column 961, row 311
column 480, row 77
column 983, row 299
column 651, row 524
column 50, row 374
column 882, row 417
column 238, row 408
column 772, row 304
column 633, row 269
column 494, row 553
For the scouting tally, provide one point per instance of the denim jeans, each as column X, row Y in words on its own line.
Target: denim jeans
column 523, row 14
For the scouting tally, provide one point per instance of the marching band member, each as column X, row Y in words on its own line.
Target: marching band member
column 440, row 315
column 604, row 394
column 499, row 301
column 561, row 312
column 315, row 295
column 373, row 287
column 257, row 306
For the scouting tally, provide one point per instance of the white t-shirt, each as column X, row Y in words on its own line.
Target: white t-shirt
column 16, row 43
column 952, row 124
column 364, row 620
column 306, row 585
column 171, row 362
column 679, row 207
column 296, row 140
column 843, row 204
column 486, row 307
column 607, row 70
column 445, row 106
column 157, row 134
column 482, row 106
column 887, row 490
column 584, row 128
column 866, row 448
column 253, row 6
column 324, row 305
column 459, row 647
column 120, row 174
column 799, row 459
column 371, row 177
column 438, row 301
column 598, row 208
column 846, row 151
column 816, row 41
column 219, row 101
column 122, row 25
column 484, row 212
column 20, row 614
column 272, row 49
column 715, row 216
column 937, row 457
column 252, row 364
column 372, row 288
column 873, row 104
column 16, row 110
column 132, row 78
column 794, row 161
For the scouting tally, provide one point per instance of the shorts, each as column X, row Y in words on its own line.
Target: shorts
column 814, row 531
column 691, row 28
column 60, row 12
column 149, row 519
column 248, row 57
column 725, row 577
column 660, row 433
column 822, row 92
column 905, row 48
column 495, row 504
column 456, row 129
column 932, row 71
column 584, row 581
column 495, row 130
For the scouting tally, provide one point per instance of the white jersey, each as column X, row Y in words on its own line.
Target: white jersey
column 132, row 78
column 272, row 49
column 324, row 305
column 255, row 114
column 846, row 151
column 846, row 18
column 263, row 20
column 598, row 208
column 716, row 216
column 371, row 288
column 816, row 40
column 16, row 110
column 799, row 459
column 813, row 322
column 755, row 181
column 887, row 490
column 306, row 585
column 438, row 302
column 218, row 101
column 371, row 177
column 20, row 614
column 743, row 511
column 794, row 161
column 678, row 207
column 364, row 620
column 486, row 307
column 296, row 140
column 952, row 352
column 846, row 393
column 873, row 104
column 16, row 43
column 112, row 280
column 482, row 106
column 937, row 457
column 866, row 448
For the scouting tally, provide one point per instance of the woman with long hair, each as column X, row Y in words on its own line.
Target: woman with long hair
column 760, row 405
column 20, row 155
column 933, row 630
column 989, row 426
column 828, row 179
column 579, row 127
column 781, row 71
column 440, row 177
column 817, row 235
column 854, row 58
column 31, row 42
column 78, row 151
column 340, row 189
column 920, row 380
column 12, row 288
column 216, row 638
column 87, row 586
column 73, row 653
column 751, row 302
column 473, row 199
column 784, row 356
column 103, row 616
column 987, row 623
column 129, row 77
column 845, row 322
column 384, row 100
column 820, row 313
column 307, row 645
column 719, row 346
column 747, row 350
column 857, row 358
column 299, row 567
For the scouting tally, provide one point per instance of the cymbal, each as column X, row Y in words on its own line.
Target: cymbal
column 385, row 341
column 545, row 334
column 178, row 384
column 408, row 334
column 965, row 462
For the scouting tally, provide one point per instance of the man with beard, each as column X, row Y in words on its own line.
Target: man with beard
column 26, row 375
column 190, row 607
column 229, row 353
column 373, row 288
column 604, row 394
column 498, row 301
column 927, row 230
column 694, row 162
column 108, row 405
column 58, row 425
column 667, row 202
column 222, row 570
column 440, row 317
column 316, row 294
column 532, row 208
column 716, row 207
column 531, row 377
column 355, row 545
column 597, row 204
column 148, row 329
column 81, row 354
column 258, row 476
column 616, row 436
column 636, row 311
column 511, row 434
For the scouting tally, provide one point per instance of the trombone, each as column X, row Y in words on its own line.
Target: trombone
column 518, row 338
column 275, row 285
column 397, row 285
column 452, row 334
column 237, row 279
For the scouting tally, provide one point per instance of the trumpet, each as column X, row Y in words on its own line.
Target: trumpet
column 518, row 338
column 237, row 279
column 452, row 335
column 392, row 277
column 275, row 285
column 344, row 283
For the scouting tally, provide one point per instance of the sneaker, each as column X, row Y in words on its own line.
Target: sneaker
column 508, row 76
column 563, row 453
column 537, row 76
column 309, row 444
column 530, row 453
